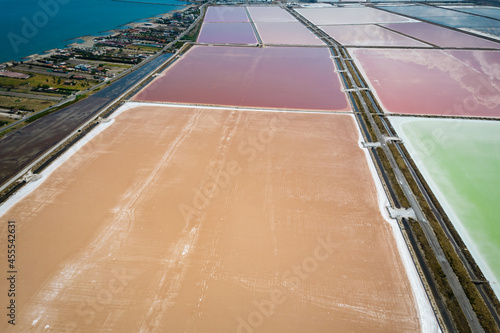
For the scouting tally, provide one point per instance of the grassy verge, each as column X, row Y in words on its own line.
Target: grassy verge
column 403, row 201
column 145, row 48
column 483, row 314
column 40, row 115
column 442, row 284
column 368, row 125
column 381, row 127
column 109, row 64
column 49, row 111
column 6, row 120
column 42, row 79
column 5, row 132
column 354, row 76
column 456, row 236
column 22, row 103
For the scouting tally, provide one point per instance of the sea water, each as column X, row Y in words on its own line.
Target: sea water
column 34, row 26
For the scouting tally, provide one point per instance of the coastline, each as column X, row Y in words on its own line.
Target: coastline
column 88, row 40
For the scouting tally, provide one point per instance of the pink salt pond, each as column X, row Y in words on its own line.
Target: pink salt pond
column 369, row 35
column 433, row 82
column 270, row 14
column 349, row 15
column 440, row 36
column 227, row 33
column 286, row 33
column 272, row 77
column 226, row 14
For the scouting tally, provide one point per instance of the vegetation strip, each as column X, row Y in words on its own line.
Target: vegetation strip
column 484, row 316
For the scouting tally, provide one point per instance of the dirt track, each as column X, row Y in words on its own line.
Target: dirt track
column 210, row 221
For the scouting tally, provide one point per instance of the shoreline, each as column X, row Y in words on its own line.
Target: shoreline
column 88, row 40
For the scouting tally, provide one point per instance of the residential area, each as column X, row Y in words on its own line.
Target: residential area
column 42, row 81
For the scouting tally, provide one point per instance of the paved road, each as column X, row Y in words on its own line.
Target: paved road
column 441, row 221
column 445, row 265
column 427, row 228
column 20, row 148
column 429, row 233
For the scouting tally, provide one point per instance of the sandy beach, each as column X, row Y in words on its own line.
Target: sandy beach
column 88, row 41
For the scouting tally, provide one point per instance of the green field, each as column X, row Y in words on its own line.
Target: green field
column 9, row 102
column 460, row 160
column 42, row 79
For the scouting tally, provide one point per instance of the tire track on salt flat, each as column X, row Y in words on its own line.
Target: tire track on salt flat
column 105, row 243
column 179, row 259
column 269, row 202
column 212, row 263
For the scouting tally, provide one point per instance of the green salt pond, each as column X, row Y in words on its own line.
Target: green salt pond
column 460, row 159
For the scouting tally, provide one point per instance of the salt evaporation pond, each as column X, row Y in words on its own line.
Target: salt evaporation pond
column 281, row 191
column 448, row 17
column 369, row 35
column 272, row 77
column 270, row 14
column 433, row 82
column 227, row 33
column 460, row 160
column 226, row 14
column 440, row 36
column 492, row 12
column 349, row 15
column 287, row 33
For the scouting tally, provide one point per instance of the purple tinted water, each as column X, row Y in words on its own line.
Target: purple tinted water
column 270, row 14
column 226, row 14
column 271, row 77
column 369, row 35
column 349, row 15
column 227, row 33
column 440, row 36
column 291, row 33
